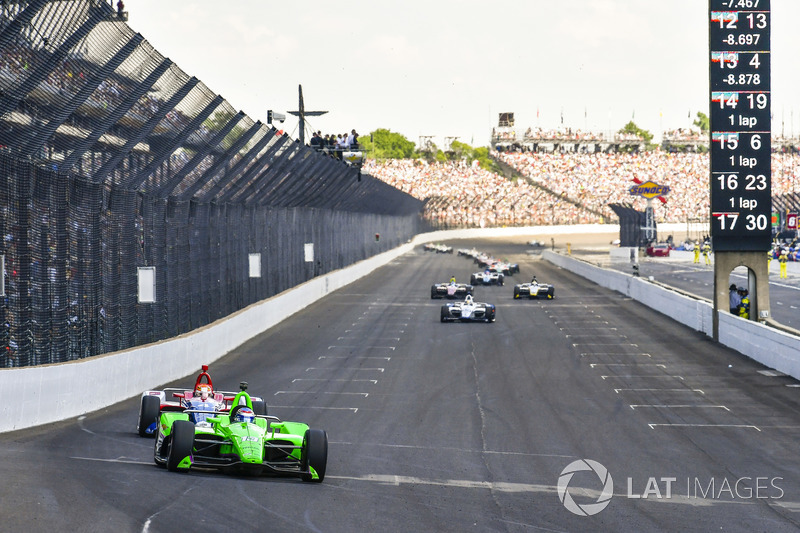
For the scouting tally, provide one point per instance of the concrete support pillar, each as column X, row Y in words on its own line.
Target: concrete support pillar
column 757, row 283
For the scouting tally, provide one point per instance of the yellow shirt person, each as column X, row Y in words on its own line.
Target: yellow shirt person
column 784, row 257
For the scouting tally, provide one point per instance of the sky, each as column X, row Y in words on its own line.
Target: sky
column 447, row 68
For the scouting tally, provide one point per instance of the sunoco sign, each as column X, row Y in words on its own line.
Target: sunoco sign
column 649, row 190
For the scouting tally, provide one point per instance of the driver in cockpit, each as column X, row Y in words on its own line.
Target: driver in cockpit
column 202, row 404
column 452, row 287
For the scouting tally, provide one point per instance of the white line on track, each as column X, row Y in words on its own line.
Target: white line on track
column 699, row 391
column 742, row 426
column 628, row 376
column 376, row 338
column 374, row 369
column 606, row 344
column 686, row 406
column 615, row 353
column 118, row 460
column 771, row 373
column 662, row 365
column 584, row 328
column 353, row 409
column 364, row 394
column 449, row 449
column 354, row 357
column 370, row 327
column 595, row 336
column 368, row 346
column 373, row 381
column 455, row 483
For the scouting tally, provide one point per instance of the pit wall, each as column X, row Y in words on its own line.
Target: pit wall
column 37, row 395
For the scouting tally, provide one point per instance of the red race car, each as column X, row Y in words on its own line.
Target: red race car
column 201, row 401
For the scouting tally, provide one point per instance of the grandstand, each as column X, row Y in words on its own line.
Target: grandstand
column 568, row 187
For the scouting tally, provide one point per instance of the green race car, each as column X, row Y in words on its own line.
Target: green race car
column 241, row 441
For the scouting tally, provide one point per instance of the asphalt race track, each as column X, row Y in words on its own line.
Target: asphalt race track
column 454, row 427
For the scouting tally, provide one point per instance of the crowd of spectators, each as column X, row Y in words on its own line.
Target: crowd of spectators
column 562, row 134
column 564, row 187
column 458, row 194
column 333, row 144
column 685, row 135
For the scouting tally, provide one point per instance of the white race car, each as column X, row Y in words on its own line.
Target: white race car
column 487, row 277
column 468, row 311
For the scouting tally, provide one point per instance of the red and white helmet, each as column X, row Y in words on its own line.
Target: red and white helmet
column 203, row 390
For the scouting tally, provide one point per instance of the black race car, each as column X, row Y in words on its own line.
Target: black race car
column 534, row 289
column 451, row 290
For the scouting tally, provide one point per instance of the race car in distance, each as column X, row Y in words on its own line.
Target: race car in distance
column 468, row 311
column 658, row 250
column 240, row 441
column 451, row 290
column 534, row 289
column 487, row 277
column 488, row 262
column 439, row 248
column 202, row 395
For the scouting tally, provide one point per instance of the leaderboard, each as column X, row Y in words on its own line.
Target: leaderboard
column 740, row 113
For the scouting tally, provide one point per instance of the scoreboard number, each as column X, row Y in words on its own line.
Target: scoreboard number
column 740, row 85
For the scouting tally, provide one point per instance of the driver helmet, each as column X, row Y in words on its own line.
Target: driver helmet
column 468, row 299
column 203, row 391
column 244, row 414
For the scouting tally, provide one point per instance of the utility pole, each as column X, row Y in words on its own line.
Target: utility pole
column 302, row 113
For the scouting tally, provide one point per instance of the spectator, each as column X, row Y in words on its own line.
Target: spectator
column 352, row 140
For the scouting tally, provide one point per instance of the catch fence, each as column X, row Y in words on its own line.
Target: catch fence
column 113, row 160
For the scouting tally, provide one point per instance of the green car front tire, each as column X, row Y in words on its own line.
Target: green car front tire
column 181, row 444
column 315, row 454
